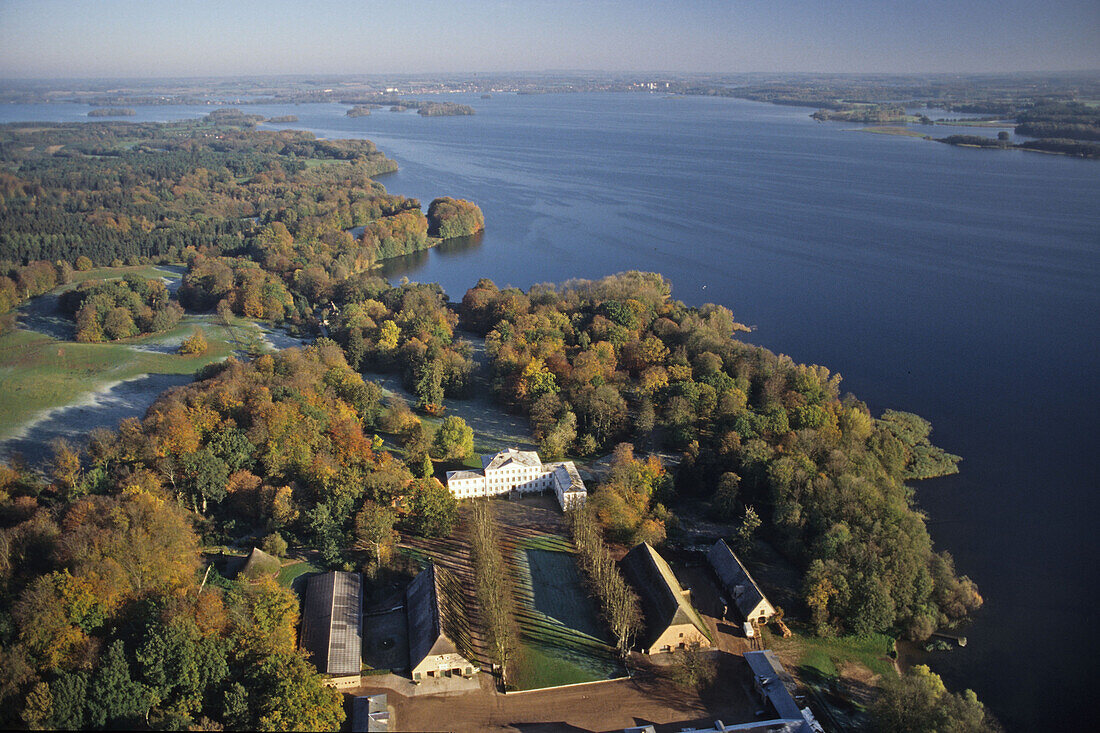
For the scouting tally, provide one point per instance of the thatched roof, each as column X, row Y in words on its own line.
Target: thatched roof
column 663, row 600
column 259, row 563
column 437, row 619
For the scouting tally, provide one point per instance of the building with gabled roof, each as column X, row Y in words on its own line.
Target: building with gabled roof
column 671, row 622
column 439, row 632
column 522, row 471
column 738, row 585
column 259, row 564
column 775, row 686
column 332, row 623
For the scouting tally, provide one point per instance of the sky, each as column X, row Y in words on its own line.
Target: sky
column 158, row 38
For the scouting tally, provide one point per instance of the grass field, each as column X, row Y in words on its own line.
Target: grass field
column 561, row 638
column 825, row 655
column 39, row 372
column 53, row 386
column 289, row 573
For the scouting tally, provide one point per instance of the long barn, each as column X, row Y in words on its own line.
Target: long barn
column 332, row 623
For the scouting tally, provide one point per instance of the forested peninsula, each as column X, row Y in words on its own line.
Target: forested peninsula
column 109, row 617
column 121, row 192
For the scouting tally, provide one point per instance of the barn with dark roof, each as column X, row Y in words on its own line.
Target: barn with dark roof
column 332, row 623
column 738, row 585
column 439, row 631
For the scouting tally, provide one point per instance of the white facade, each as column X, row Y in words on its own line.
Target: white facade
column 522, row 471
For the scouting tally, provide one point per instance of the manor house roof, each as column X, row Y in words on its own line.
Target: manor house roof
column 511, row 456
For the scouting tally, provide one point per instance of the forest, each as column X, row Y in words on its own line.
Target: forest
column 108, row 618
column 449, row 218
column 120, row 191
column 108, row 310
column 597, row 363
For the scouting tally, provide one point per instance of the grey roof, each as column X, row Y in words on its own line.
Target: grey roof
column 527, row 458
column 464, row 474
column 574, row 482
column 437, row 624
column 332, row 622
column 663, row 601
column 774, row 679
column 744, row 591
column 369, row 714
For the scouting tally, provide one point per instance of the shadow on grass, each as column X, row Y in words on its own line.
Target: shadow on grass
column 129, row 398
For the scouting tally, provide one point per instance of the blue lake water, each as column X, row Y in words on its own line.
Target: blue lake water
column 959, row 284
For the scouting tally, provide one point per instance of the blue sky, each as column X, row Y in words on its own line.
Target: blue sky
column 86, row 38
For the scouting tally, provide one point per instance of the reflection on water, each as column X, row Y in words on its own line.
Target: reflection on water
column 409, row 264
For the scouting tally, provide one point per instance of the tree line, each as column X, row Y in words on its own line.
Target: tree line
column 493, row 588
column 619, row 605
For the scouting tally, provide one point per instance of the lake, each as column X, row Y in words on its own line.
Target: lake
column 956, row 283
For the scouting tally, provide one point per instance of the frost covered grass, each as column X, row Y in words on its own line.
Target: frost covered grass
column 40, row 373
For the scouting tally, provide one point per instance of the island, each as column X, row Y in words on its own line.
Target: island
column 112, row 112
column 360, row 110
column 283, row 119
column 444, row 109
column 869, row 113
column 1056, row 110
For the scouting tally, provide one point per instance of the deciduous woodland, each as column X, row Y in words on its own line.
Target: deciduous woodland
column 596, row 363
column 108, row 616
column 117, row 191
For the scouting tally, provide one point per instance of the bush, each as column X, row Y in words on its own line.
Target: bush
column 274, row 545
column 195, row 344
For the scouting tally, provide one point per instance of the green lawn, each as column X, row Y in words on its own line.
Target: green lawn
column 824, row 655
column 289, row 573
column 561, row 638
column 39, row 372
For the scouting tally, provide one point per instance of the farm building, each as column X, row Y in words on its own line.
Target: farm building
column 332, row 623
column 772, row 682
column 438, row 629
column 522, row 471
column 370, row 714
column 738, row 585
column 259, row 564
column 671, row 622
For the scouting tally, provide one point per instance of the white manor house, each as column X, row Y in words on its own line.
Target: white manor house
column 522, row 471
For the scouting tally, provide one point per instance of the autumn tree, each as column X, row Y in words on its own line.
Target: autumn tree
column 433, row 510
column 194, row 344
column 918, row 702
